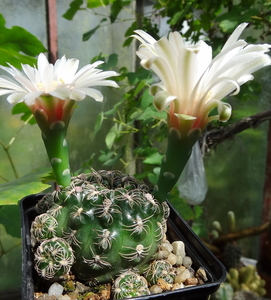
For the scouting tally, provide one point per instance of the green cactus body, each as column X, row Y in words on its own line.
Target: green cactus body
column 111, row 222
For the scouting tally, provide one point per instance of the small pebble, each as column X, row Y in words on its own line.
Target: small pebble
column 191, row 281
column 64, row 297
column 182, row 276
column 155, row 289
column 177, row 286
column 192, row 271
column 179, row 260
column 166, row 246
column 163, row 254
column 55, row 289
column 201, row 274
column 165, row 286
column 180, row 269
column 179, row 248
column 187, row 261
column 172, row 259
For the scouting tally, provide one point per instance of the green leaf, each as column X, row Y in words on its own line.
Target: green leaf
column 127, row 42
column 87, row 35
column 98, row 3
column 10, row 260
column 11, row 212
column 22, row 108
column 153, row 159
column 230, row 20
column 131, row 29
column 152, row 178
column 18, row 46
column 116, row 7
column 104, row 156
column 179, row 15
column 74, row 7
column 112, row 61
column 111, row 136
column 98, row 123
column 109, row 63
column 13, row 191
column 151, row 113
column 140, row 74
column 146, row 99
column 15, row 58
column 139, row 87
column 113, row 161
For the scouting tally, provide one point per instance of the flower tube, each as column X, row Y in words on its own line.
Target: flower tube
column 192, row 85
column 51, row 92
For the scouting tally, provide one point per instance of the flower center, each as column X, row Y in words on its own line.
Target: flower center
column 40, row 85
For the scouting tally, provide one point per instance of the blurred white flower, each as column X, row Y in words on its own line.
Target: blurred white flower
column 192, row 83
column 60, row 80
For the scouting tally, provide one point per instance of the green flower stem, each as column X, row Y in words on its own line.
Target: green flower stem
column 53, row 116
column 57, row 151
column 178, row 152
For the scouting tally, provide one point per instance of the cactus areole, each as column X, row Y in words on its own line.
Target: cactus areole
column 104, row 223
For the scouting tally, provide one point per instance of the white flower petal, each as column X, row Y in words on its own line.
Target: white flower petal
column 93, row 93
column 234, row 36
column 26, row 83
column 16, row 98
column 42, row 64
column 77, row 96
column 162, row 100
column 29, row 72
column 62, row 93
column 10, row 84
column 29, row 98
column 176, row 41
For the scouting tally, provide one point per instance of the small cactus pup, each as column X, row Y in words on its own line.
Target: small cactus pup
column 160, row 269
column 110, row 221
column 130, row 284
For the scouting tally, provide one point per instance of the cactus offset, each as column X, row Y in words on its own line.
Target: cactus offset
column 53, row 258
column 130, row 284
column 110, row 220
column 160, row 269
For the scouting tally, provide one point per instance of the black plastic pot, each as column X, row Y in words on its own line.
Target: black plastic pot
column 178, row 229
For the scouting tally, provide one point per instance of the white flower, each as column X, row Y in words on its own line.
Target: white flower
column 192, row 83
column 61, row 81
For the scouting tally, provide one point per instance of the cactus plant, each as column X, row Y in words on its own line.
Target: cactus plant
column 160, row 269
column 246, row 279
column 232, row 255
column 130, row 284
column 110, row 220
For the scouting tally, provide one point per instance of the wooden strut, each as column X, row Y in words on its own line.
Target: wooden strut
column 214, row 246
column 52, row 35
column 241, row 234
column 212, row 138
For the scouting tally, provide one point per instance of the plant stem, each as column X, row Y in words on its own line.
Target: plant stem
column 6, row 148
column 241, row 234
column 178, row 152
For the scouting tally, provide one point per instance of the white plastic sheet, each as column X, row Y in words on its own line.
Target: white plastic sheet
column 192, row 184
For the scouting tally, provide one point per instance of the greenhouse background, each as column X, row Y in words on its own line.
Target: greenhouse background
column 237, row 169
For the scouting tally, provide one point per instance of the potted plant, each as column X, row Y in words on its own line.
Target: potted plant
column 100, row 224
